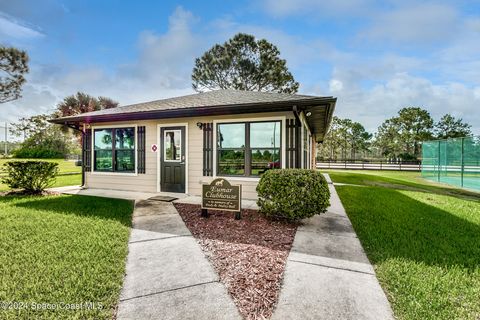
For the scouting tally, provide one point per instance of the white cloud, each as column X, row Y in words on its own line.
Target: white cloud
column 369, row 87
column 167, row 59
column 398, row 22
column 282, row 8
column 162, row 69
column 13, row 28
column 420, row 23
column 335, row 86
column 373, row 105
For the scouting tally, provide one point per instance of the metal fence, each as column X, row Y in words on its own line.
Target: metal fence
column 397, row 165
column 453, row 161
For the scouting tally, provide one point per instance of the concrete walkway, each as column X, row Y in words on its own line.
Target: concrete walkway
column 117, row 194
column 167, row 274
column 135, row 195
column 328, row 275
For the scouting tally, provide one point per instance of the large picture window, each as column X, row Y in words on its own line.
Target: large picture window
column 248, row 148
column 114, row 150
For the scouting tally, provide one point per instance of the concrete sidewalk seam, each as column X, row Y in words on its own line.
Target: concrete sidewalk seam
column 164, row 238
column 330, row 267
column 169, row 290
column 155, row 215
column 332, row 234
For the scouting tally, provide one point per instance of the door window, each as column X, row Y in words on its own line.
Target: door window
column 172, row 145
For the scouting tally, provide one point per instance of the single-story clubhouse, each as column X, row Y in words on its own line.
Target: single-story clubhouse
column 178, row 144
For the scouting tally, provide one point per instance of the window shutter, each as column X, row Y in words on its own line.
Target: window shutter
column 293, row 144
column 141, row 149
column 207, row 149
column 87, row 150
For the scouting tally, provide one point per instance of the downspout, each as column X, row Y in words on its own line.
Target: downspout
column 298, row 157
column 296, row 113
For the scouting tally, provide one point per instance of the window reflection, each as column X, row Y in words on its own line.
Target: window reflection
column 231, row 135
column 263, row 160
column 114, row 150
column 103, row 150
column 231, row 162
column 265, row 135
column 248, row 149
column 172, row 145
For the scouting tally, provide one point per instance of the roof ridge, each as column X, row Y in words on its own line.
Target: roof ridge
column 219, row 91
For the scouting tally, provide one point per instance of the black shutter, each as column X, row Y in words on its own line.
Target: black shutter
column 87, row 150
column 293, row 144
column 207, row 149
column 141, row 149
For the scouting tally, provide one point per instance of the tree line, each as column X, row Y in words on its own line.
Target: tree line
column 397, row 138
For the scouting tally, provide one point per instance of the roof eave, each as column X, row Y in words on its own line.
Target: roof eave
column 196, row 111
column 320, row 119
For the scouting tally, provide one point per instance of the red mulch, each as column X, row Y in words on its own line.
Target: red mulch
column 248, row 254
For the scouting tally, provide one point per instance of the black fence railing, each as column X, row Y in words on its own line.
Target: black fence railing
column 398, row 165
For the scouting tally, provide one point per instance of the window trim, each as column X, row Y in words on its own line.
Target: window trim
column 114, row 173
column 283, row 122
column 305, row 130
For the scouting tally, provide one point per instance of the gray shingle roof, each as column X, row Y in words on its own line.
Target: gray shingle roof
column 205, row 99
column 319, row 110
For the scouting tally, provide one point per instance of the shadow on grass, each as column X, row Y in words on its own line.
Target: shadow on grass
column 391, row 224
column 83, row 206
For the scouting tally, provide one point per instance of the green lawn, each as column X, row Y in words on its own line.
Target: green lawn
column 64, row 166
column 60, row 181
column 69, row 174
column 423, row 239
column 62, row 250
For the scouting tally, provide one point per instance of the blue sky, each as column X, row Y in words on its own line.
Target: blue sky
column 375, row 56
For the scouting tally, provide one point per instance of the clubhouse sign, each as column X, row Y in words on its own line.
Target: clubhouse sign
column 221, row 195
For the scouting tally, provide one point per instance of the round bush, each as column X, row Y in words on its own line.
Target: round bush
column 293, row 194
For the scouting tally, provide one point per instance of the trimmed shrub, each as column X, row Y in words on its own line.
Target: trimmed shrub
column 293, row 194
column 37, row 153
column 31, row 176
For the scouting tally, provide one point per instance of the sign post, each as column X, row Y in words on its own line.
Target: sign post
column 221, row 195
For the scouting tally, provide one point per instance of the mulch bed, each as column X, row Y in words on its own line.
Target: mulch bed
column 249, row 254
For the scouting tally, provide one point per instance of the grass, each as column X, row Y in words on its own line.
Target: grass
column 422, row 238
column 62, row 250
column 60, row 181
column 64, row 166
column 69, row 174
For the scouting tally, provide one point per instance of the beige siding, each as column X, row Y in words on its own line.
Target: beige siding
column 148, row 182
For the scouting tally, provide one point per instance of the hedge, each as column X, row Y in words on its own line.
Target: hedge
column 31, row 176
column 293, row 194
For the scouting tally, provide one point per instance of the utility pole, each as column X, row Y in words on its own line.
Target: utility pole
column 6, row 141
